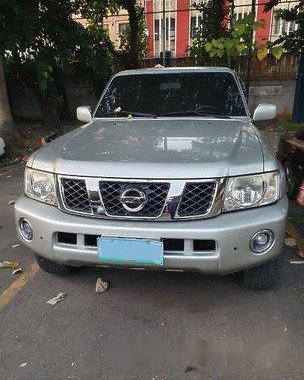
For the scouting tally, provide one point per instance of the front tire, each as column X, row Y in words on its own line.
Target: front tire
column 51, row 267
column 263, row 277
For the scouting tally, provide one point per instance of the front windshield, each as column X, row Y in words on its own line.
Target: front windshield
column 214, row 93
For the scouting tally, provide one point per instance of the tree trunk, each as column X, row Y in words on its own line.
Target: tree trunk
column 6, row 120
column 134, row 60
column 14, row 142
column 48, row 106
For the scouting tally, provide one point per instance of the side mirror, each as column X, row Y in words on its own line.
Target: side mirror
column 84, row 114
column 264, row 112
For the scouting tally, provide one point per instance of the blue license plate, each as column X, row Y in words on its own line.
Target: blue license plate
column 123, row 250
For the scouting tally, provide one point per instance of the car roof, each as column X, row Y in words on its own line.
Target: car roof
column 176, row 70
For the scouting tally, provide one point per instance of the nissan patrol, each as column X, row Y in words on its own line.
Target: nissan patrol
column 167, row 172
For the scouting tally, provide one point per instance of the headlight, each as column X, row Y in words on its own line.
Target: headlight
column 40, row 186
column 251, row 191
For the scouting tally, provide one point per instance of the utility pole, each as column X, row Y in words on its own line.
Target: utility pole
column 249, row 57
column 164, row 33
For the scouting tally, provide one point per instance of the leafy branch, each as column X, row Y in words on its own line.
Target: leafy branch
column 239, row 41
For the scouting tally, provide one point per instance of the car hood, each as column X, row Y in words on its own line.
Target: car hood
column 155, row 148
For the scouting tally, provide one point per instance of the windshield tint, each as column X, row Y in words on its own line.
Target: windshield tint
column 160, row 94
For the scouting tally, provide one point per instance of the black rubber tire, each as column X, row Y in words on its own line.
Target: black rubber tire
column 290, row 180
column 263, row 277
column 54, row 268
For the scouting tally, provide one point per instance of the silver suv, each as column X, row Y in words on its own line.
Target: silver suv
column 169, row 173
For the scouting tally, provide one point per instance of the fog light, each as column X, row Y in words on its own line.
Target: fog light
column 261, row 241
column 26, row 230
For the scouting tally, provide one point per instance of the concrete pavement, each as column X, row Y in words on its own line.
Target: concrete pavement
column 148, row 325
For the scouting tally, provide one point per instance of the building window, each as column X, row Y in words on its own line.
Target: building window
column 170, row 26
column 122, row 27
column 281, row 27
column 169, row 34
column 194, row 24
column 156, row 30
column 241, row 8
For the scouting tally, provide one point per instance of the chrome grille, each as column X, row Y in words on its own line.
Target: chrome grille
column 155, row 193
column 163, row 200
column 75, row 196
column 197, row 199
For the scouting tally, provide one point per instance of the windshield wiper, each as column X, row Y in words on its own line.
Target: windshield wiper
column 132, row 113
column 195, row 113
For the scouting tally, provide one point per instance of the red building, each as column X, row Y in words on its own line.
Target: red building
column 182, row 20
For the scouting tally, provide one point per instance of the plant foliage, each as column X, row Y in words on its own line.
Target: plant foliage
column 44, row 46
column 213, row 25
column 240, row 41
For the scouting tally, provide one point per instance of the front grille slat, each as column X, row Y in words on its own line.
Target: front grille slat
column 156, row 194
column 197, row 199
column 75, row 195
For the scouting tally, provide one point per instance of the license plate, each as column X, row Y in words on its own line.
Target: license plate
column 123, row 250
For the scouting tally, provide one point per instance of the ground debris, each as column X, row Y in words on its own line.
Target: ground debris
column 16, row 267
column 56, row 299
column 190, row 369
column 24, row 159
column 296, row 262
column 101, row 286
column 291, row 242
column 300, row 254
column 12, row 202
column 16, row 245
column 23, row 365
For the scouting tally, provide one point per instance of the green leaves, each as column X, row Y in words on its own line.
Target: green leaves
column 240, row 47
column 262, row 52
column 44, row 75
column 208, row 44
column 240, row 41
column 240, row 29
column 277, row 51
column 208, row 47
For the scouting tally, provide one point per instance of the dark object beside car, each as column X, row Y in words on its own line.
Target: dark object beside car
column 291, row 156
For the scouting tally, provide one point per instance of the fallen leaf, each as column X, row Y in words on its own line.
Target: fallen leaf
column 101, row 286
column 17, row 270
column 24, row 159
column 56, row 299
column 290, row 242
column 11, row 264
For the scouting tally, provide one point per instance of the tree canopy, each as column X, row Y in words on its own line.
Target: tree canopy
column 44, row 46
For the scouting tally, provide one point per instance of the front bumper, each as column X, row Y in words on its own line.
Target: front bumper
column 231, row 232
